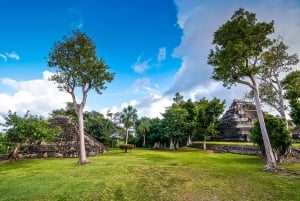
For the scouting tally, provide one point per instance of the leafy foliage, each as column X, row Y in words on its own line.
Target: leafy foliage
column 276, row 61
column 128, row 118
column 143, row 128
column 279, row 135
column 239, row 46
column 174, row 122
column 67, row 111
column 29, row 128
column 207, row 118
column 78, row 65
column 291, row 84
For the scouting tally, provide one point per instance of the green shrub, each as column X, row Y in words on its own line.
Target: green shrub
column 126, row 147
column 280, row 137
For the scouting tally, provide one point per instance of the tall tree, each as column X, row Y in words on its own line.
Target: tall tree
column 30, row 128
column 128, row 118
column 143, row 128
column 239, row 46
column 207, row 117
column 276, row 61
column 77, row 65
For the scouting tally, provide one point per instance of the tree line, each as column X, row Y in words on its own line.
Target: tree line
column 243, row 54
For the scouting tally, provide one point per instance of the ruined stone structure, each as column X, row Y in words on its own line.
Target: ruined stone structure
column 237, row 121
column 67, row 143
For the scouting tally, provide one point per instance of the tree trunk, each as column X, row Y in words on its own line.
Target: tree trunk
column 204, row 143
column 281, row 103
column 156, row 145
column 126, row 139
column 82, row 153
column 171, row 144
column 144, row 143
column 14, row 154
column 189, row 141
column 271, row 162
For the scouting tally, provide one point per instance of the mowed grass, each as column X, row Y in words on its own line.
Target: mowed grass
column 187, row 174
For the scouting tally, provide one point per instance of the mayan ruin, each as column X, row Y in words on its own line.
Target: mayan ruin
column 237, row 121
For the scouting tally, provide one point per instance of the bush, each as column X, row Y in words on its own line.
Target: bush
column 126, row 147
column 279, row 135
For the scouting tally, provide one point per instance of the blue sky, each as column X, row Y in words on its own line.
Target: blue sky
column 155, row 47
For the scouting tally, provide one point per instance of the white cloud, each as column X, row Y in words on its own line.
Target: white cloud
column 3, row 57
column 39, row 96
column 141, row 66
column 200, row 19
column 162, row 52
column 141, row 84
column 13, row 55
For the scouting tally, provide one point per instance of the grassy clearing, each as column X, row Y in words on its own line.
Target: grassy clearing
column 189, row 174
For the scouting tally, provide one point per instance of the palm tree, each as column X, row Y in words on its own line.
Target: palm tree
column 143, row 128
column 128, row 117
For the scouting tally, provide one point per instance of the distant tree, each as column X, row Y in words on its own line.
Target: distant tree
column 27, row 129
column 280, row 137
column 291, row 84
column 143, row 128
column 174, row 122
column 128, row 118
column 157, row 133
column 97, row 126
column 240, row 45
column 190, row 121
column 178, row 98
column 77, row 65
column 67, row 111
column 276, row 61
column 207, row 117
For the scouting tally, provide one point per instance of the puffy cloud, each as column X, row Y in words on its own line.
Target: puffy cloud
column 39, row 96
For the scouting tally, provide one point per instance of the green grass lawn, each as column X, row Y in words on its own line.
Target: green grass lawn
column 188, row 174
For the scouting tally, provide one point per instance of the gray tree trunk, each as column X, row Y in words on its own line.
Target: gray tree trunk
column 271, row 162
column 189, row 141
column 126, row 139
column 171, row 144
column 82, row 152
column 204, row 143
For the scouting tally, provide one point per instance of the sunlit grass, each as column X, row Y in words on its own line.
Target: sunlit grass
column 188, row 174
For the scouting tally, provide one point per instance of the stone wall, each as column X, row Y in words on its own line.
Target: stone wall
column 66, row 144
column 235, row 149
column 240, row 149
